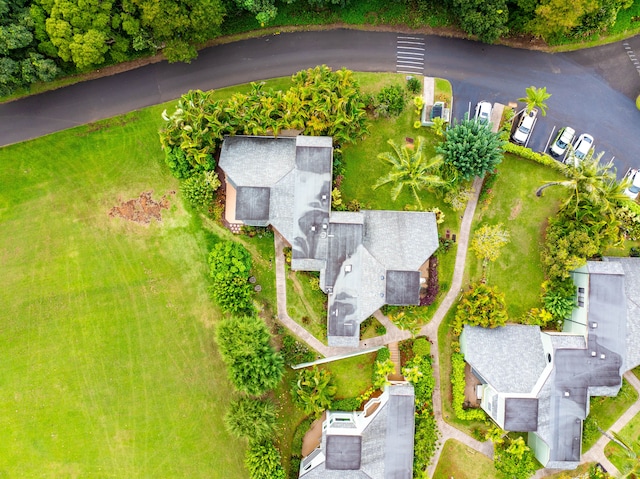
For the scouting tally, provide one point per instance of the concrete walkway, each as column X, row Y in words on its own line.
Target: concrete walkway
column 431, row 330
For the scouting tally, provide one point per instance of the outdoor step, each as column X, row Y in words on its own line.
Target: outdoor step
column 395, row 357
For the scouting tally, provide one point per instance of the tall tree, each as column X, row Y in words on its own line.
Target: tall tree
column 589, row 181
column 410, row 168
column 482, row 305
column 536, row 98
column 254, row 366
column 485, row 18
column 471, row 148
column 230, row 266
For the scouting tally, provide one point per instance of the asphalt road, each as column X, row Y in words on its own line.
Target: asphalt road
column 592, row 90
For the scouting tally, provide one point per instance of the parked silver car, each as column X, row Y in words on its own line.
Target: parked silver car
column 562, row 141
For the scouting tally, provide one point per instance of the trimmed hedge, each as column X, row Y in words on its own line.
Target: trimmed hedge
column 529, row 154
column 458, row 385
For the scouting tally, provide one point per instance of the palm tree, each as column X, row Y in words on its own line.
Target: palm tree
column 536, row 98
column 314, row 390
column 590, row 182
column 411, row 168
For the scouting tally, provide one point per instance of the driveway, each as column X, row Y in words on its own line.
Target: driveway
column 593, row 90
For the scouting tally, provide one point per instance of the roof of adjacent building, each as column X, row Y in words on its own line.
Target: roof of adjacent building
column 491, row 353
column 366, row 259
column 582, row 366
column 382, row 450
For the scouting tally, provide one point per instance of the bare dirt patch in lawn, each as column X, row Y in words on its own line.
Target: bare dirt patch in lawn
column 143, row 209
column 515, row 211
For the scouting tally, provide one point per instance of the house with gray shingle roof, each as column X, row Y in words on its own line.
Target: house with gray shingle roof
column 540, row 382
column 366, row 259
column 375, row 443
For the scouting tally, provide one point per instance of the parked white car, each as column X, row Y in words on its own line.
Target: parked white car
column 483, row 112
column 633, row 177
column 562, row 142
column 521, row 135
column 581, row 148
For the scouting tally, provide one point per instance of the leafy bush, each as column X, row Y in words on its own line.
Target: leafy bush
column 482, row 306
column 383, row 354
column 230, row 266
column 253, row 366
column 514, row 459
column 198, row 189
column 457, row 388
column 634, row 252
column 346, row 404
column 313, row 390
column 488, row 240
column 559, row 298
column 419, row 372
column 425, row 440
column 414, row 85
column 391, row 100
column 458, row 198
column 295, row 352
column 421, row 347
column 529, row 154
column 262, row 460
column 433, row 285
column 251, row 419
column 381, row 371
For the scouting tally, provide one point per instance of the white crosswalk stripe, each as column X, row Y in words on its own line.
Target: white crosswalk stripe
column 632, row 56
column 410, row 54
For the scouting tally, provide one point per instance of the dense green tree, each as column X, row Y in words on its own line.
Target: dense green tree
column 230, row 266
column 188, row 136
column 20, row 63
column 313, row 390
column 391, row 101
column 536, row 98
column 254, row 367
column 410, row 168
column 481, row 305
column 471, row 148
column 514, row 459
column 487, row 19
column 558, row 298
column 262, row 459
column 252, row 419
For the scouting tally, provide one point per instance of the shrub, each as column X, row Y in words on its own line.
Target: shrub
column 198, row 189
column 253, row 366
column 262, row 460
column 433, row 285
column 425, row 440
column 421, row 347
column 251, row 419
column 383, row 354
column 458, row 198
column 514, row 459
column 457, row 389
column 391, row 101
column 482, row 306
column 230, row 265
column 346, row 404
column 634, row 252
column 414, row 85
column 313, row 390
column 529, row 154
column 295, row 352
column 419, row 372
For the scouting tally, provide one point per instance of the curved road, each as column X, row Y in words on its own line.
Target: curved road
column 593, row 90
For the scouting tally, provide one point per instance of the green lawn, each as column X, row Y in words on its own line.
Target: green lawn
column 605, row 411
column 352, row 376
column 461, row 462
column 109, row 366
column 619, row 457
column 518, row 271
column 305, row 305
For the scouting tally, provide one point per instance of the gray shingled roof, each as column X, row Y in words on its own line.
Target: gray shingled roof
column 400, row 240
column 343, row 452
column 366, row 259
column 386, row 443
column 491, row 352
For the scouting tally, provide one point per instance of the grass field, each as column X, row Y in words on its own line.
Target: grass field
column 518, row 271
column 109, row 367
column 621, row 458
column 605, row 411
column 462, row 462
